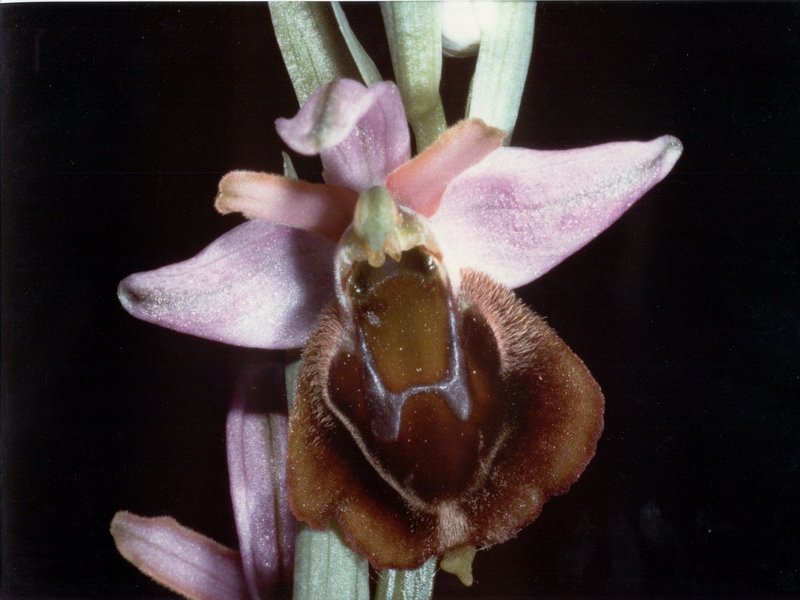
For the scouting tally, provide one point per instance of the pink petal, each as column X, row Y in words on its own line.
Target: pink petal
column 260, row 285
column 360, row 133
column 326, row 209
column 420, row 183
column 257, row 466
column 518, row 213
column 184, row 561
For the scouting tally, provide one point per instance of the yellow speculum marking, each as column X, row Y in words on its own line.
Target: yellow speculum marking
column 403, row 316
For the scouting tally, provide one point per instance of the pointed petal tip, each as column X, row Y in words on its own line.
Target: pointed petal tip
column 245, row 289
column 224, row 202
column 458, row 561
column 672, row 143
column 178, row 558
column 672, row 151
column 658, row 157
column 519, row 212
column 130, row 297
column 117, row 522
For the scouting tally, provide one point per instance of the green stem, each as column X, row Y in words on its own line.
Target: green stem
column 407, row 585
column 326, row 569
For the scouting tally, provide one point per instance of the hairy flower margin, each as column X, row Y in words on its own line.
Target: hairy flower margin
column 509, row 213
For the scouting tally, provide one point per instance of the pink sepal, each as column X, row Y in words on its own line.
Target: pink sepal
column 182, row 560
column 360, row 133
column 259, row 285
column 256, row 443
column 518, row 213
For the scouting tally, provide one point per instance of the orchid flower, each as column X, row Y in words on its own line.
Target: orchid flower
column 200, row 568
column 511, row 213
column 438, row 239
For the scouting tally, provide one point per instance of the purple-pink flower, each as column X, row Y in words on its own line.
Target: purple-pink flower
column 501, row 217
column 511, row 213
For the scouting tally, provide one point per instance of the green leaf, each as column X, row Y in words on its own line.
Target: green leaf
column 313, row 48
column 369, row 72
column 288, row 171
column 414, row 31
column 502, row 67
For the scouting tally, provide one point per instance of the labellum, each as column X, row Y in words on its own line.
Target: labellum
column 435, row 413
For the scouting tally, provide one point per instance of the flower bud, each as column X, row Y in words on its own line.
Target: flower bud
column 462, row 26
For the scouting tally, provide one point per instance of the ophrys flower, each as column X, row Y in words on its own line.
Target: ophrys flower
column 434, row 411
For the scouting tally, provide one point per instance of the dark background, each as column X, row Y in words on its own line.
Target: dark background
column 118, row 121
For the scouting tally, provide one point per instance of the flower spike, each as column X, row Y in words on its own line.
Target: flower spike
column 435, row 413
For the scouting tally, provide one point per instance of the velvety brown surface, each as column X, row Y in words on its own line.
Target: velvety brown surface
column 401, row 310
column 445, row 482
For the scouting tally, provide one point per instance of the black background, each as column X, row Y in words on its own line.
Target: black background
column 118, row 121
